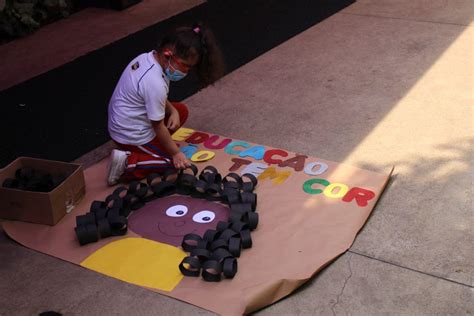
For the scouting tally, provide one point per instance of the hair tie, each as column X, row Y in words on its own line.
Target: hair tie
column 196, row 30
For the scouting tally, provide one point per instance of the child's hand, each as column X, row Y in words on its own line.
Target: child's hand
column 173, row 121
column 180, row 161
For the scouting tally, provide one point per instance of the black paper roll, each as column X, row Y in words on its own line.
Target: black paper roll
column 220, row 254
column 229, row 267
column 248, row 186
column 142, row 191
column 104, row 228
column 191, row 167
column 164, row 188
column 100, row 214
column 211, row 271
column 133, row 186
column 227, row 234
column 235, row 217
column 250, row 198
column 201, row 254
column 98, row 205
column 132, row 202
column 213, row 192
column 113, row 201
column 193, row 266
column 221, row 226
column 120, row 191
column 231, row 196
column 235, row 246
column 190, row 242
column 235, row 183
column 241, row 208
column 203, row 244
column 118, row 225
column 87, row 234
column 239, row 226
column 209, row 169
column 246, row 239
column 82, row 220
column 210, row 235
column 251, row 218
column 219, row 243
column 153, row 179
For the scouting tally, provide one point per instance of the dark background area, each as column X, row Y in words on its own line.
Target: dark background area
column 62, row 114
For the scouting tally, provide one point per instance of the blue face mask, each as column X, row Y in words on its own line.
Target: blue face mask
column 175, row 74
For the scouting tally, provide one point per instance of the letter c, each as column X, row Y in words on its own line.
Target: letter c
column 307, row 186
column 229, row 149
column 272, row 152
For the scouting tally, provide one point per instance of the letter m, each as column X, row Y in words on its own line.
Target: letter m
column 277, row 177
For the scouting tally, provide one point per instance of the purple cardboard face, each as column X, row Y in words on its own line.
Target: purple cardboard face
column 168, row 219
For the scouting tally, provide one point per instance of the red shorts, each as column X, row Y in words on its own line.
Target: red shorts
column 150, row 157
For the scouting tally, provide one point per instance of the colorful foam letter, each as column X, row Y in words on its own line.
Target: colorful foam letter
column 181, row 134
column 309, row 168
column 362, row 196
column 229, row 149
column 203, row 155
column 308, row 185
column 277, row 177
column 342, row 190
column 188, row 151
column 209, row 143
column 197, row 138
column 256, row 152
column 238, row 163
column 255, row 168
column 268, row 157
column 296, row 162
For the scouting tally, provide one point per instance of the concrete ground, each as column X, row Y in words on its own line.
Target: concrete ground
column 380, row 83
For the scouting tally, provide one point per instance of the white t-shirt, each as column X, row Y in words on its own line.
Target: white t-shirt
column 139, row 98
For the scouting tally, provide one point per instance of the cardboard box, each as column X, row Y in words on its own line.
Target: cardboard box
column 41, row 207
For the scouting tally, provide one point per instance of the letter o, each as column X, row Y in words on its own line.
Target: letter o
column 309, row 169
column 329, row 191
column 203, row 155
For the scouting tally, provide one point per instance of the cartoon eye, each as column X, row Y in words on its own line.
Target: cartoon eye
column 177, row 211
column 204, row 217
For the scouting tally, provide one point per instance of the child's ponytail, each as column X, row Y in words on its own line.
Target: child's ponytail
column 197, row 40
column 211, row 66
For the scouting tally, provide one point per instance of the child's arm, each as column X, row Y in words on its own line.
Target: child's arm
column 173, row 119
column 179, row 159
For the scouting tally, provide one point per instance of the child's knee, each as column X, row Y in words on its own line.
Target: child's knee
column 182, row 111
